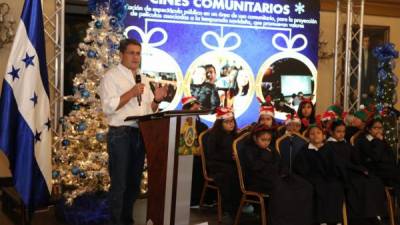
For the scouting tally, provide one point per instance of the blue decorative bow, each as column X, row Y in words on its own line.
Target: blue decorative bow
column 117, row 7
column 385, row 53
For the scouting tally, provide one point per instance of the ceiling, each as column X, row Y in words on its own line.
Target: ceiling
column 390, row 8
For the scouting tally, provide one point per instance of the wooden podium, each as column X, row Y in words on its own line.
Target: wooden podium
column 169, row 173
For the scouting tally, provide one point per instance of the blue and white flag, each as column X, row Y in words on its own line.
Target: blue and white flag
column 25, row 135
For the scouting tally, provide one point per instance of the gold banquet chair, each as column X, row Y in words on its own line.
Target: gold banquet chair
column 282, row 141
column 391, row 209
column 354, row 138
column 245, row 129
column 209, row 182
column 246, row 195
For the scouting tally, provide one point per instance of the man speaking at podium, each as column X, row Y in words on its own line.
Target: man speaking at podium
column 125, row 92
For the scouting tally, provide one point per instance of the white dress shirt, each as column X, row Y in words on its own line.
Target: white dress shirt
column 114, row 84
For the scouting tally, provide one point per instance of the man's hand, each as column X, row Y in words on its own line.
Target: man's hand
column 160, row 93
column 137, row 90
column 128, row 95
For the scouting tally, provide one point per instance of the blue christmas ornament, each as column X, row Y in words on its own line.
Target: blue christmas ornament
column 76, row 106
column 75, row 170
column 98, row 24
column 85, row 93
column 61, row 120
column 81, row 126
column 81, row 87
column 113, row 21
column 82, row 174
column 65, row 142
column 92, row 54
column 382, row 74
column 100, row 137
column 55, row 174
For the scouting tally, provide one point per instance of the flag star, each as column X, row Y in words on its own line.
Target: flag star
column 14, row 73
column 48, row 124
column 28, row 60
column 37, row 136
column 34, row 99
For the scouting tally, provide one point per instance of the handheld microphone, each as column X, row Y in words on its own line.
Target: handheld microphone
column 290, row 152
column 138, row 80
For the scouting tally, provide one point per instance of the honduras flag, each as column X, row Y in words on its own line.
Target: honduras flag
column 25, row 134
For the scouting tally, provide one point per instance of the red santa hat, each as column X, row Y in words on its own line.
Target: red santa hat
column 188, row 100
column 267, row 110
column 306, row 100
column 266, row 107
column 328, row 115
column 224, row 113
column 292, row 118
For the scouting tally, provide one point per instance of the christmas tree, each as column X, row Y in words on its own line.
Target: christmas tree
column 386, row 91
column 80, row 164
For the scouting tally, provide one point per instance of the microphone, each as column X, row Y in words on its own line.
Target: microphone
column 138, row 80
column 290, row 152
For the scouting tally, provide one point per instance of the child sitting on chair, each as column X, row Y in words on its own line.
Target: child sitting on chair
column 291, row 196
column 314, row 164
column 306, row 113
column 377, row 155
column 365, row 194
column 220, row 162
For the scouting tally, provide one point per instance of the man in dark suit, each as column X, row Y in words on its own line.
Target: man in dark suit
column 369, row 73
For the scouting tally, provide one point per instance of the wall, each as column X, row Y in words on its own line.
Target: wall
column 16, row 9
column 15, row 12
column 325, row 67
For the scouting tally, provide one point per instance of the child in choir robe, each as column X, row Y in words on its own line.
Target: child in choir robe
column 306, row 113
column 377, row 155
column 220, row 162
column 292, row 125
column 365, row 197
column 326, row 120
column 312, row 164
column 291, row 195
column 267, row 113
column 337, row 109
column 356, row 124
column 192, row 104
column 291, row 142
column 266, row 116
